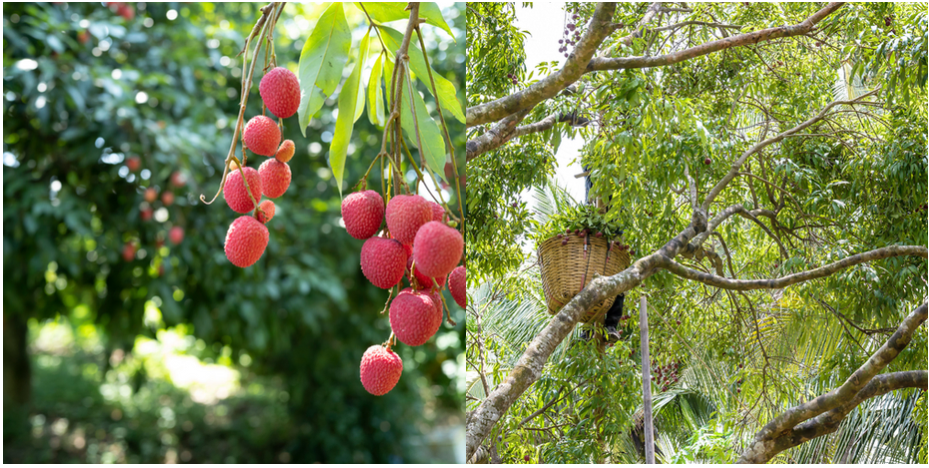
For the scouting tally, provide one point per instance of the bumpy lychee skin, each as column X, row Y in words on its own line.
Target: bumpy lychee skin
column 246, row 241
column 267, row 211
column 286, row 151
column 383, row 261
column 437, row 249
column 458, row 287
column 262, row 135
column 234, row 191
column 414, row 317
column 380, row 370
column 405, row 215
column 422, row 281
column 275, row 178
column 280, row 91
column 363, row 213
column 437, row 211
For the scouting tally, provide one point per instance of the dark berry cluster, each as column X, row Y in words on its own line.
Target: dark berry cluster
column 512, row 78
column 666, row 375
column 571, row 33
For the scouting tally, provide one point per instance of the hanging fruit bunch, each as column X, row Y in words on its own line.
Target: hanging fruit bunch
column 409, row 237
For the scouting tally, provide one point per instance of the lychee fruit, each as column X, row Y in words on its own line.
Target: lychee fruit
column 383, row 261
column 129, row 251
column 246, row 241
column 285, row 152
column 151, row 194
column 437, row 249
column 414, row 317
column 266, row 211
column 178, row 179
column 362, row 213
column 275, row 178
column 235, row 194
column 262, row 135
column 405, row 215
column 176, row 234
column 437, row 211
column 436, row 295
column 280, row 91
column 458, row 287
column 423, row 281
column 167, row 198
column 380, row 370
column 145, row 213
column 134, row 163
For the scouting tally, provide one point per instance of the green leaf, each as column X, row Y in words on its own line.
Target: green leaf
column 430, row 12
column 447, row 97
column 433, row 150
column 376, row 94
column 321, row 62
column 384, row 12
column 345, row 121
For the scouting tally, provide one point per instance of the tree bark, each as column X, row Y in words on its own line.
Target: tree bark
column 17, row 371
column 823, row 414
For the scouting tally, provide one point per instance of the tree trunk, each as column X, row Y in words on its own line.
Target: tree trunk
column 17, row 372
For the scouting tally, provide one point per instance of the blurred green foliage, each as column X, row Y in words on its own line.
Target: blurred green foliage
column 86, row 88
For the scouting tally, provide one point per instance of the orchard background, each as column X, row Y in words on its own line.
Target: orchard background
column 165, row 351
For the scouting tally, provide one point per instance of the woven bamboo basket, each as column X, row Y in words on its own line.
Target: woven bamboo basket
column 567, row 269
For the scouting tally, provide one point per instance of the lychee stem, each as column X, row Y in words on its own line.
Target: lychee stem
column 448, row 139
column 448, row 313
column 390, row 293
column 246, row 85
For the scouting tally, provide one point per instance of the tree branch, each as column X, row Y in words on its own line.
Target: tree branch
column 575, row 66
column 620, row 63
column 779, row 283
column 823, row 413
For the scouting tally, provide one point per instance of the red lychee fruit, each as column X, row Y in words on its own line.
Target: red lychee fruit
column 286, row 151
column 167, row 198
column 83, row 37
column 423, row 281
column 380, row 370
column 362, row 213
column 246, row 241
column 151, row 194
column 436, row 295
column 437, row 211
column 458, row 287
column 280, row 91
column 405, row 215
column 145, row 214
column 235, row 194
column 437, row 249
column 262, row 135
column 129, row 251
column 267, row 211
column 383, row 261
column 178, row 179
column 275, row 178
column 134, row 163
column 126, row 12
column 414, row 317
column 176, row 234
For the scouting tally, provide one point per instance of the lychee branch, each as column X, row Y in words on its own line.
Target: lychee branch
column 448, row 139
column 265, row 13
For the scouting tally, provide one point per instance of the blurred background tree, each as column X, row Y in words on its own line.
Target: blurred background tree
column 128, row 336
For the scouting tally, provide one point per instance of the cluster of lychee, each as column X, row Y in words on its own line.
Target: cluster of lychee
column 147, row 208
column 571, row 35
column 247, row 237
column 418, row 246
column 666, row 375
